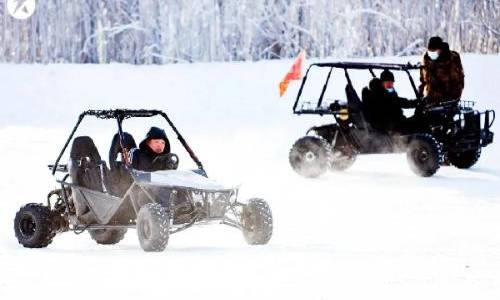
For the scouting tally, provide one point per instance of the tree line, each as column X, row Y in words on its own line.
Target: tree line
column 168, row 31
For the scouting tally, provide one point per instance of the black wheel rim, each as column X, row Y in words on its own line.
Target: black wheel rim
column 421, row 155
column 309, row 157
column 306, row 154
column 27, row 226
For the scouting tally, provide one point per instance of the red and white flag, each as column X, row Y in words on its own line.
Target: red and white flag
column 295, row 72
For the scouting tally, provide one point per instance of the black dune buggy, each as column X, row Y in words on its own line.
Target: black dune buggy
column 107, row 202
column 452, row 133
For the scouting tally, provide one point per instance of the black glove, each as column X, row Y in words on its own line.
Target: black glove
column 172, row 161
column 169, row 161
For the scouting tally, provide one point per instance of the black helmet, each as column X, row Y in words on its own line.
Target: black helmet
column 375, row 85
column 387, row 75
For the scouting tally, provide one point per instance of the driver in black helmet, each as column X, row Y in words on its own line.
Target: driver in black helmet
column 383, row 107
column 153, row 153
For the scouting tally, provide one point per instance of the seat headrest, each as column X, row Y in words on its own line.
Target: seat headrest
column 83, row 146
column 129, row 143
column 375, row 85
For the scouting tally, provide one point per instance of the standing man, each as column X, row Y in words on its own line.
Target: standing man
column 442, row 75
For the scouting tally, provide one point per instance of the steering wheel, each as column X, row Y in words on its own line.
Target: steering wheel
column 169, row 161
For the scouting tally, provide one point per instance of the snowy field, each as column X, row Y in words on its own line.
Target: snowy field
column 376, row 231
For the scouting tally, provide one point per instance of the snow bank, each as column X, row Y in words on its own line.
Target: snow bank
column 375, row 230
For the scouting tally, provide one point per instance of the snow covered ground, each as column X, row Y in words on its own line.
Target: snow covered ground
column 374, row 231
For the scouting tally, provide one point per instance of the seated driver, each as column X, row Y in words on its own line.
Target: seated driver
column 153, row 153
column 383, row 108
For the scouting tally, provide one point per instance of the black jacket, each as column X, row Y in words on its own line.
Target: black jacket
column 382, row 109
column 145, row 159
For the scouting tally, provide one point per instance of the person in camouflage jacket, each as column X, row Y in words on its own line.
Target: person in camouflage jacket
column 441, row 75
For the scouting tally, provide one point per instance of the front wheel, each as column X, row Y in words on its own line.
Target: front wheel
column 310, row 156
column 257, row 222
column 424, row 155
column 33, row 226
column 153, row 227
column 464, row 160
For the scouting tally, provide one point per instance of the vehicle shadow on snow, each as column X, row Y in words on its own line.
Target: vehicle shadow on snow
column 127, row 248
column 272, row 249
column 477, row 183
column 486, row 171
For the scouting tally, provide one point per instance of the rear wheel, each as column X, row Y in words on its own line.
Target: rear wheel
column 153, row 227
column 464, row 160
column 107, row 236
column 257, row 222
column 424, row 155
column 310, row 156
column 33, row 226
column 342, row 161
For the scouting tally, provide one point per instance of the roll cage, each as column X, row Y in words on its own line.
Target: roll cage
column 119, row 115
column 349, row 66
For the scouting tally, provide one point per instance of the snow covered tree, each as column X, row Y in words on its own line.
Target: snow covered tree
column 167, row 31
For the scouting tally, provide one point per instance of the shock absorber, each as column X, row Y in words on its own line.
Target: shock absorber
column 58, row 212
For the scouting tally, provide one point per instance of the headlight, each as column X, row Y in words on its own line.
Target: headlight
column 343, row 114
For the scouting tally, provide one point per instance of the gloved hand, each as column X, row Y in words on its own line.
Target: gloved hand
column 172, row 161
column 169, row 161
